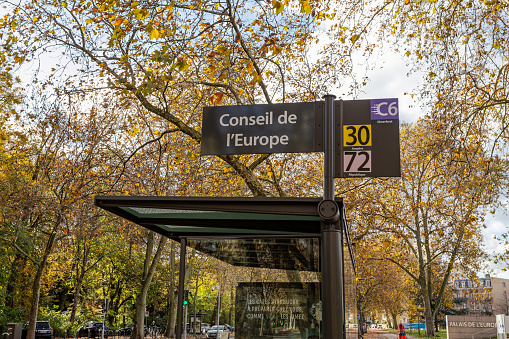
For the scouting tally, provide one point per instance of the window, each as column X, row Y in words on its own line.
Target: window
column 503, row 284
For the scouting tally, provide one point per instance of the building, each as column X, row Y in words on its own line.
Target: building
column 484, row 296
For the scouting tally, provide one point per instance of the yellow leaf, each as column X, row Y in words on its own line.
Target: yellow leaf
column 305, row 7
column 278, row 6
column 154, row 34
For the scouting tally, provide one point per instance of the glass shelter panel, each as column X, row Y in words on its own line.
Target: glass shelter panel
column 269, row 287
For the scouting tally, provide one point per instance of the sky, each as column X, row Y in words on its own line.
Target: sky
column 392, row 80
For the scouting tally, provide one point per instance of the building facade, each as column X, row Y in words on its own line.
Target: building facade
column 484, row 296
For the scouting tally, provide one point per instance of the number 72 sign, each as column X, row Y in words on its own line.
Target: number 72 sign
column 369, row 138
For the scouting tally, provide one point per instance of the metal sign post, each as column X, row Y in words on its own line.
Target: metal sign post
column 332, row 238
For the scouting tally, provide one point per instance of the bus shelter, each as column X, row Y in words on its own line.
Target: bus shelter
column 280, row 237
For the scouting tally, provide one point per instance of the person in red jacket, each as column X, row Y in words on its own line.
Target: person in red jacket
column 401, row 329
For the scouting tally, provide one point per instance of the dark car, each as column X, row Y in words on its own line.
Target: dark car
column 92, row 329
column 42, row 330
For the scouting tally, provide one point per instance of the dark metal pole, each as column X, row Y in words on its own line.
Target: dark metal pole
column 329, row 148
column 182, row 274
column 332, row 239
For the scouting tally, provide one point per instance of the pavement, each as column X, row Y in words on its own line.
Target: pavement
column 381, row 334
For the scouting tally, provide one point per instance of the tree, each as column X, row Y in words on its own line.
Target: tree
column 444, row 191
column 158, row 58
column 60, row 171
column 12, row 262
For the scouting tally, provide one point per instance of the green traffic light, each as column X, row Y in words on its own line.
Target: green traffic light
column 186, row 302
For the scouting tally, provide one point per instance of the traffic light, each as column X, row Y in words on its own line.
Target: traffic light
column 186, row 297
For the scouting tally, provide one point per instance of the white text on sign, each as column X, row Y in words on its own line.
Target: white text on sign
column 226, row 120
column 239, row 140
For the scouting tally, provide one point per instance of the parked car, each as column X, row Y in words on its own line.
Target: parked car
column 214, row 330
column 205, row 328
column 42, row 330
column 94, row 328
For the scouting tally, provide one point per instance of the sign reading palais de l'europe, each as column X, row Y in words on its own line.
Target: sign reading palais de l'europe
column 256, row 129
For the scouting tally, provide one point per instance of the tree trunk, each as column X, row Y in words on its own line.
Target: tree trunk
column 36, row 286
column 194, row 306
column 148, row 273
column 17, row 266
column 230, row 318
column 172, row 314
column 428, row 316
column 79, row 281
column 394, row 321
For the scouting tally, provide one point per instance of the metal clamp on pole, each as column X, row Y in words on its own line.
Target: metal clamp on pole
column 328, row 210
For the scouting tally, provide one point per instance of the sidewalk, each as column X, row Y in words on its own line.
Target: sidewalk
column 381, row 334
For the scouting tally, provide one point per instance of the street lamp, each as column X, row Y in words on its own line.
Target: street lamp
column 218, row 287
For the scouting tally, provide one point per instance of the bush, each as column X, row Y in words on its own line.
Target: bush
column 9, row 315
column 59, row 320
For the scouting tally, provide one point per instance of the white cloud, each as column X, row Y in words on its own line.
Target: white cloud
column 392, row 79
column 496, row 225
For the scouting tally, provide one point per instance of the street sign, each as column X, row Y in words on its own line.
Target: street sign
column 368, row 137
column 259, row 129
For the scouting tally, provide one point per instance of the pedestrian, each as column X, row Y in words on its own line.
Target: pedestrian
column 401, row 330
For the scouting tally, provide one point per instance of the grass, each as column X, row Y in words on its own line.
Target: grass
column 415, row 333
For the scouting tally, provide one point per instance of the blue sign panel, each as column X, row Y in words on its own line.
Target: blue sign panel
column 384, row 109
